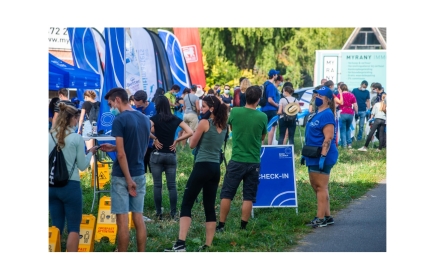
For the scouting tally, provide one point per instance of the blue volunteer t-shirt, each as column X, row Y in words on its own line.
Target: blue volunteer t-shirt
column 134, row 128
column 314, row 136
column 149, row 111
column 271, row 91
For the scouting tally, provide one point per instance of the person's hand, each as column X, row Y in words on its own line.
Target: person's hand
column 106, row 147
column 93, row 150
column 157, row 144
column 79, row 131
column 173, row 147
column 131, row 186
column 302, row 160
column 322, row 162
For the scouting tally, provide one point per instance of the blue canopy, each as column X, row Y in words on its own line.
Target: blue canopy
column 73, row 77
column 55, row 81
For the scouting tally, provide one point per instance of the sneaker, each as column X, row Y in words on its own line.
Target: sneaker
column 159, row 217
column 174, row 218
column 349, row 146
column 329, row 221
column 220, row 229
column 362, row 149
column 147, row 220
column 316, row 222
column 204, row 248
column 176, row 248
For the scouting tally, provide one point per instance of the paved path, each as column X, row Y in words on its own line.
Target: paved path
column 361, row 227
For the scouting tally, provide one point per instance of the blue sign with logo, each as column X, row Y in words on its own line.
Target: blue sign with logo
column 277, row 186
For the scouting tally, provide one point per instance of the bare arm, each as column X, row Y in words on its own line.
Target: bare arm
column 54, row 119
column 368, row 103
column 82, row 117
column 355, row 107
column 203, row 126
column 272, row 102
column 122, row 159
column 328, row 132
column 279, row 109
column 339, row 101
column 188, row 132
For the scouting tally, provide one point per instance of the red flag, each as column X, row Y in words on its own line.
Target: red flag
column 191, row 46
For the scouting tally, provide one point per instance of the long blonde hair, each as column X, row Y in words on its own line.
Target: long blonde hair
column 244, row 84
column 63, row 121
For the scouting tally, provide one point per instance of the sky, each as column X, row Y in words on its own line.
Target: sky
column 410, row 189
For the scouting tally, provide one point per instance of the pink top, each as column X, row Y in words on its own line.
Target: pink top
column 348, row 100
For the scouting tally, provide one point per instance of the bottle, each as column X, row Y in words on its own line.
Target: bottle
column 94, row 128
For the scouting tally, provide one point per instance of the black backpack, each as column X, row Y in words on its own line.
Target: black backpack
column 263, row 100
column 58, row 175
column 95, row 110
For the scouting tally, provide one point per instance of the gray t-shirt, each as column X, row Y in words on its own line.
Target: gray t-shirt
column 189, row 102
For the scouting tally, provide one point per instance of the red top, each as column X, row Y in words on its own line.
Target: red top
column 348, row 100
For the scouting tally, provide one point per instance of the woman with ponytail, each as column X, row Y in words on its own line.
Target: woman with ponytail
column 66, row 202
column 209, row 136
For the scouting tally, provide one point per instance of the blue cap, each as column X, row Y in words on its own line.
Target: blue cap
column 273, row 72
column 324, row 91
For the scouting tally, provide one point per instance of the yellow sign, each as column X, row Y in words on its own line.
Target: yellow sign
column 87, row 233
column 106, row 221
column 53, row 239
column 103, row 175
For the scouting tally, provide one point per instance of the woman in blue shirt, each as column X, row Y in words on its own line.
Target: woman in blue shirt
column 321, row 132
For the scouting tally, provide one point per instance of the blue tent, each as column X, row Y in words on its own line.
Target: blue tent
column 55, row 81
column 73, row 77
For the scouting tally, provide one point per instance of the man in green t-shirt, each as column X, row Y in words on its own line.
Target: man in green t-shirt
column 171, row 96
column 249, row 128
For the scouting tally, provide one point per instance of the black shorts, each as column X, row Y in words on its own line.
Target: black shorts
column 270, row 115
column 146, row 159
column 236, row 172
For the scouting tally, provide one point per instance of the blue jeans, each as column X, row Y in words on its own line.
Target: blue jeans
column 345, row 123
column 66, row 202
column 362, row 118
column 166, row 162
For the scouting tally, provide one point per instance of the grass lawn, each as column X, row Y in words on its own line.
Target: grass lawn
column 272, row 229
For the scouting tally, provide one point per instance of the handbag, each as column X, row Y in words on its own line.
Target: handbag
column 311, row 151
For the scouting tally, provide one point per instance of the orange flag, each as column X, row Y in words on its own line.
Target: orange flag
column 191, row 46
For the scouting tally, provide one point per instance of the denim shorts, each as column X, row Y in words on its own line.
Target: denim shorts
column 122, row 202
column 87, row 128
column 236, row 172
column 315, row 168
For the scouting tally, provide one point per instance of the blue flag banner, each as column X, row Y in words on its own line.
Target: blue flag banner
column 176, row 59
column 164, row 75
column 144, row 48
column 73, row 77
column 114, row 76
column 85, row 55
column 277, row 186
column 114, row 73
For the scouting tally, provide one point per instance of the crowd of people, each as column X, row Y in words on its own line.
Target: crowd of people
column 203, row 120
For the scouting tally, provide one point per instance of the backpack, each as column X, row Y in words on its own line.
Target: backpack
column 263, row 100
column 95, row 110
column 288, row 118
column 57, row 173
